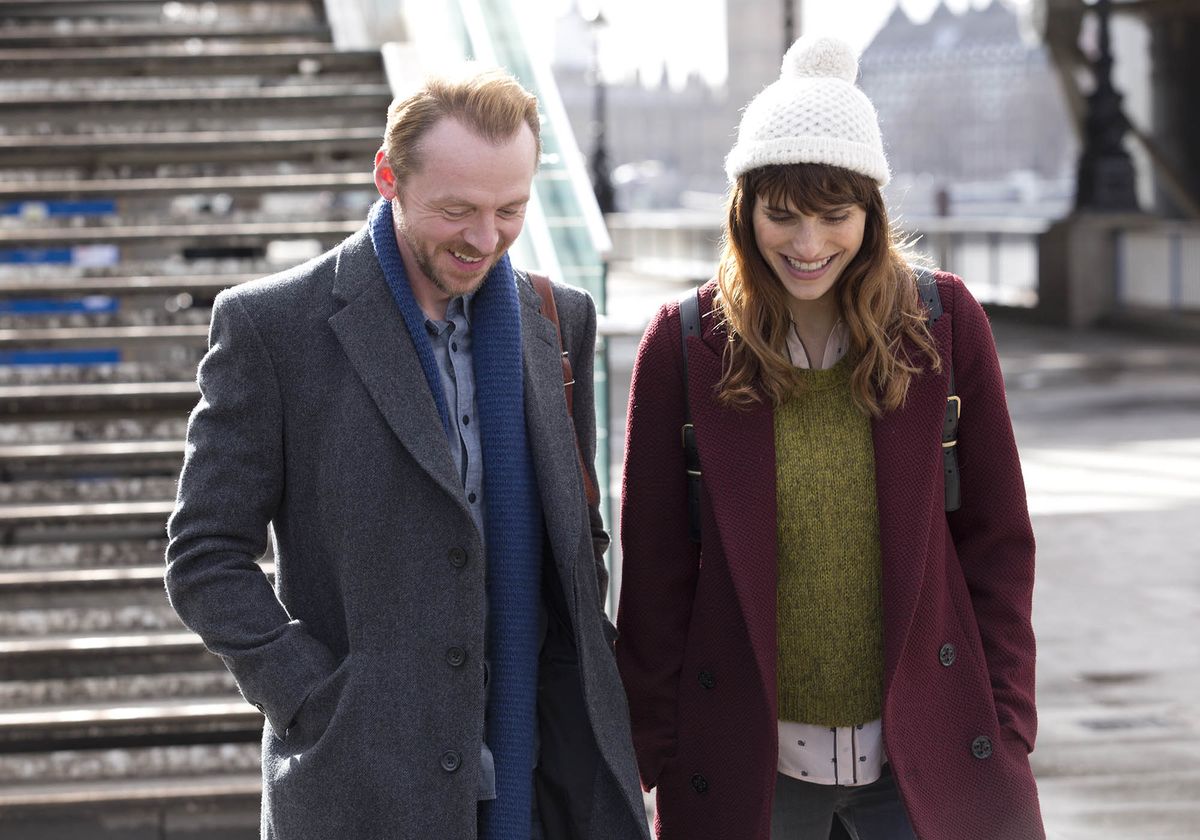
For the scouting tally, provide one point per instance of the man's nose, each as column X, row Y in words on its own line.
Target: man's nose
column 483, row 235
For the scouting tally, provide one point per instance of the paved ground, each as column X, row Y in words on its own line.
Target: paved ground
column 1109, row 430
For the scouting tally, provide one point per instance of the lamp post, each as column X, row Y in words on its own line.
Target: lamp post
column 598, row 165
column 1105, row 180
column 789, row 23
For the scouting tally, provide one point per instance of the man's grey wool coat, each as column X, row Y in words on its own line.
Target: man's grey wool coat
column 367, row 655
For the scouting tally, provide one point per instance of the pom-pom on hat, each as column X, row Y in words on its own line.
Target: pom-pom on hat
column 812, row 113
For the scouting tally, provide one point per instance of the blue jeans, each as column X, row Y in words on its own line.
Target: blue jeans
column 805, row 811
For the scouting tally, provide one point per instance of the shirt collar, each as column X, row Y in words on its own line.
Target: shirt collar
column 835, row 347
column 465, row 303
column 460, row 305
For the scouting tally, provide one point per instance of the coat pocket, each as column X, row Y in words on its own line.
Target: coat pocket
column 317, row 710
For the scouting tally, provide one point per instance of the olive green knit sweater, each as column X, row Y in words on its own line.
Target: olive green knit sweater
column 830, row 668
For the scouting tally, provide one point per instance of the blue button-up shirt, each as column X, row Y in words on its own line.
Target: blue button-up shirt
column 451, row 340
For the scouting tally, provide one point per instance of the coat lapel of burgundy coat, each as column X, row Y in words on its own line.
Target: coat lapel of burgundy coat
column 737, row 458
column 908, row 454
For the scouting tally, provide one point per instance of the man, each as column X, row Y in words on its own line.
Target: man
column 433, row 661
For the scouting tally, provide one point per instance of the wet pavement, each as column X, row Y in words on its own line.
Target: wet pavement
column 1109, row 430
column 1108, row 425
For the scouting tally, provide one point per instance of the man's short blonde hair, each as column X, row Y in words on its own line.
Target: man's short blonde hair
column 490, row 102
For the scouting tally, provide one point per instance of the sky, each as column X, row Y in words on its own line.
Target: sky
column 695, row 44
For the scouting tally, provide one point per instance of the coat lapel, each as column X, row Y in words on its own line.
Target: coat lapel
column 374, row 339
column 908, row 470
column 550, row 434
column 737, row 459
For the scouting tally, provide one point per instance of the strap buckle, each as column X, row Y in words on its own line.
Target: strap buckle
column 691, row 457
column 950, row 425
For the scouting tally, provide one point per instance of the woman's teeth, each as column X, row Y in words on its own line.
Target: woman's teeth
column 807, row 266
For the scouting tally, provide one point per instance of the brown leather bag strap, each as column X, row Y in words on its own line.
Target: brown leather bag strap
column 541, row 284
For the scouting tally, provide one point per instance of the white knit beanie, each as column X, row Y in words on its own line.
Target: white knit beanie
column 812, row 113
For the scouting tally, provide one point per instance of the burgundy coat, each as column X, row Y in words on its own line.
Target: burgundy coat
column 697, row 646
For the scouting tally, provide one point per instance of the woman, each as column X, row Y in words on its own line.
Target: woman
column 837, row 645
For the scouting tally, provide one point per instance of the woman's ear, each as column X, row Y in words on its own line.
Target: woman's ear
column 385, row 178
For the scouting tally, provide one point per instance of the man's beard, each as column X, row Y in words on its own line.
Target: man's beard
column 425, row 262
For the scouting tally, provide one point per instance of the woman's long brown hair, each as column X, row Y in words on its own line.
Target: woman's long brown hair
column 876, row 293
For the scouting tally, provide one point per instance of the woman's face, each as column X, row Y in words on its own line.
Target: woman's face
column 808, row 253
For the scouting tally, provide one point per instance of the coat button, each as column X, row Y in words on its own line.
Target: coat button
column 946, row 654
column 706, row 679
column 699, row 784
column 451, row 761
column 458, row 557
column 981, row 747
column 456, row 656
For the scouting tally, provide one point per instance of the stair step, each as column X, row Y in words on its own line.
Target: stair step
column 86, row 613
column 165, row 767
column 123, row 689
column 199, row 285
column 196, row 235
column 112, row 714
column 105, row 336
column 137, row 420
column 240, row 788
column 42, row 35
column 125, row 655
column 153, row 722
column 63, row 647
column 49, row 558
column 87, row 579
column 143, row 147
column 101, row 489
column 199, row 60
column 233, row 184
column 29, row 402
column 84, row 513
column 264, row 101
column 80, row 7
column 90, row 580
column 89, row 458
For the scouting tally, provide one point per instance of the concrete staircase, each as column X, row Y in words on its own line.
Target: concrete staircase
column 151, row 154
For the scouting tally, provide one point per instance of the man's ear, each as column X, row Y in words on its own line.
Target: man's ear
column 385, row 179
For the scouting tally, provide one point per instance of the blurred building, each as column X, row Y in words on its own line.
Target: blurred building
column 667, row 142
column 973, row 116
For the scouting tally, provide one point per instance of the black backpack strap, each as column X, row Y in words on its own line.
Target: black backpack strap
column 689, row 323
column 927, row 289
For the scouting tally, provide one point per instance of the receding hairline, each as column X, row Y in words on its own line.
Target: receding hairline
column 418, row 150
column 489, row 102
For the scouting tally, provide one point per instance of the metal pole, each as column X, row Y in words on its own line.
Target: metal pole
column 598, row 165
column 789, row 24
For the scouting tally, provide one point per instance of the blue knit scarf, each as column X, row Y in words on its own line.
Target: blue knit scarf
column 512, row 525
